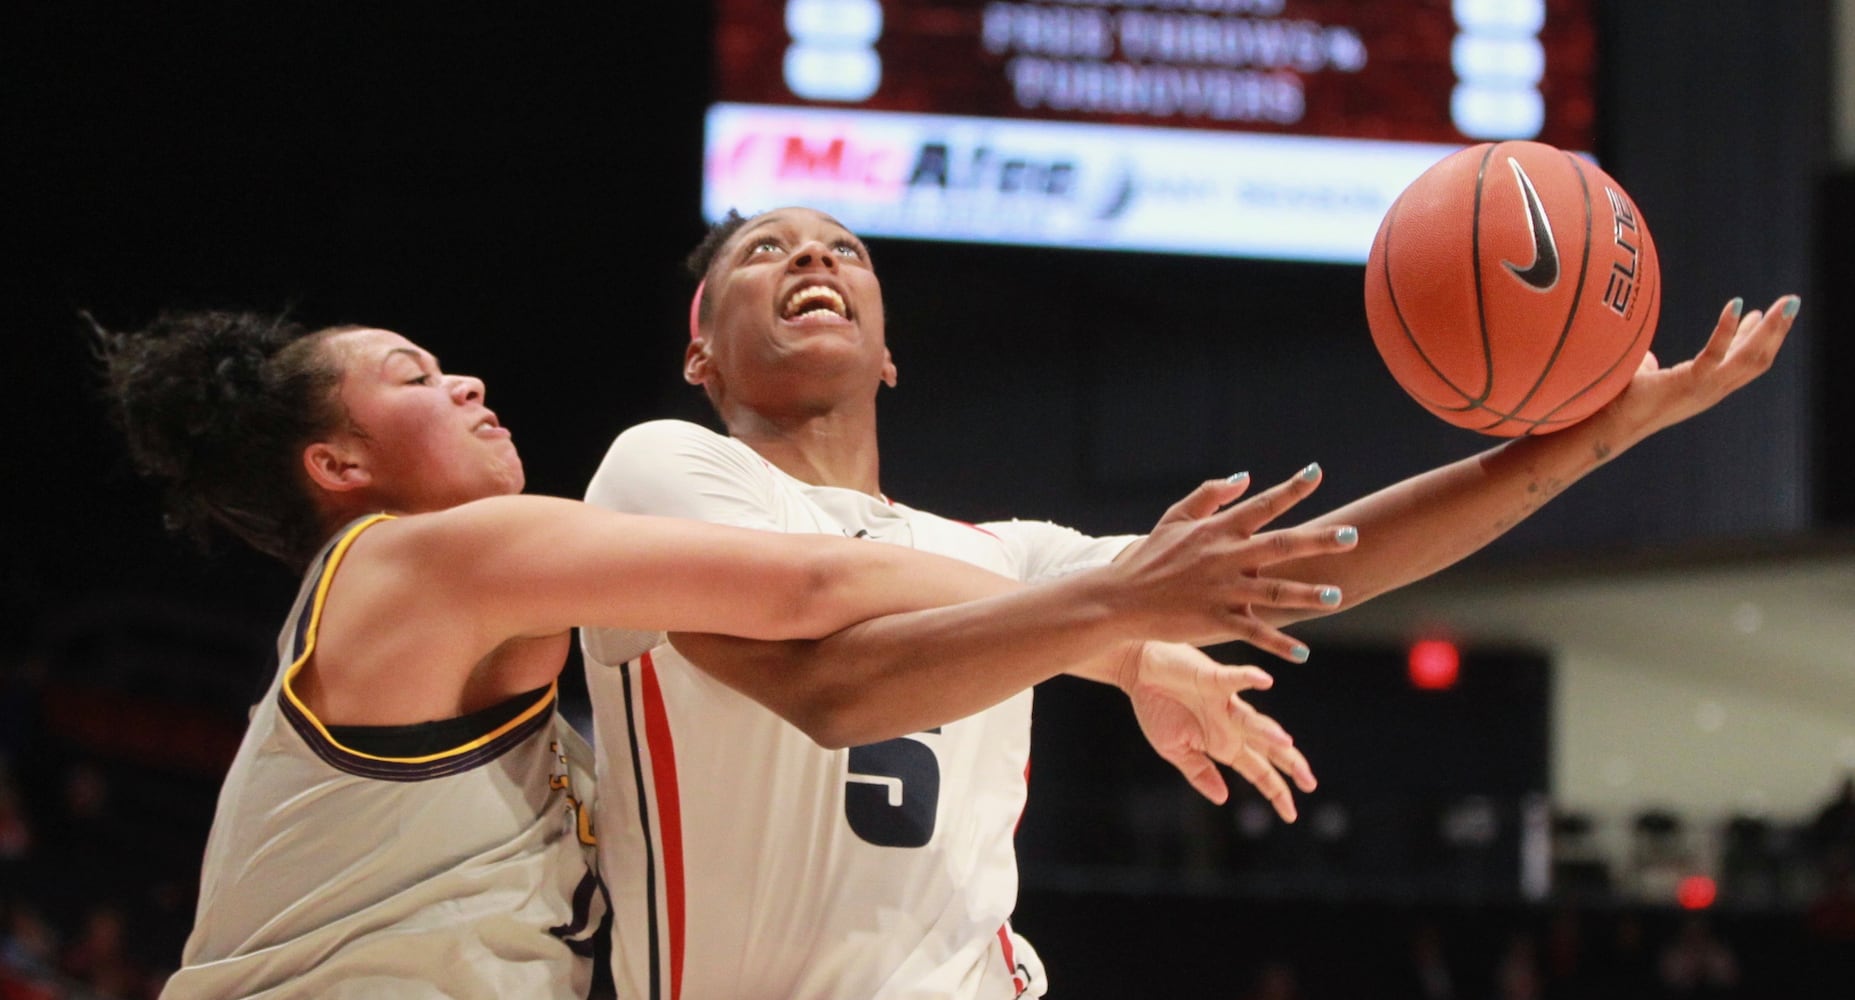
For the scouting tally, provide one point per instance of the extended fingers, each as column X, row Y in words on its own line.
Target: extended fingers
column 1248, row 517
column 1731, row 324
column 1287, row 544
column 1755, row 346
column 1245, row 627
column 1748, row 343
column 1225, row 682
column 1269, row 767
column 1266, row 736
column 1255, row 728
column 1202, row 774
column 1207, row 499
column 1262, row 776
column 1291, row 762
column 1259, row 749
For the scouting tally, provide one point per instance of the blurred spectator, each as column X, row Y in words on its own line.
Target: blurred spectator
column 1832, row 832
column 15, row 827
column 1567, row 969
column 1831, row 917
column 1517, row 975
column 1626, row 969
column 1750, row 869
column 19, row 683
column 1830, row 926
column 1275, row 981
column 1659, row 855
column 87, row 855
column 1426, row 974
column 26, row 940
column 97, row 958
column 86, row 795
column 1697, row 963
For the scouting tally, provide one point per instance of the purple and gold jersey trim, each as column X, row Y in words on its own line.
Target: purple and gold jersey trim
column 473, row 753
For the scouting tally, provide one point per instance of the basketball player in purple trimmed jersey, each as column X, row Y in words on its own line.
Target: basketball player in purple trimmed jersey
column 747, row 860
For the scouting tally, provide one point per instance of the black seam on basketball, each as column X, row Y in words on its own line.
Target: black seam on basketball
column 1650, row 308
column 1502, row 414
column 1405, row 327
column 1391, row 293
column 1481, row 313
column 1655, row 292
column 1531, row 425
column 1484, row 407
column 1571, row 317
column 1516, row 418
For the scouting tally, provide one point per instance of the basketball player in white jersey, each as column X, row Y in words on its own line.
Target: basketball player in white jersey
column 750, row 861
column 404, row 816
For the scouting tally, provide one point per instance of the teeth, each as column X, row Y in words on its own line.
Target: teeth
column 815, row 300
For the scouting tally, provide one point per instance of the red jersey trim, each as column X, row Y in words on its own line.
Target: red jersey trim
column 669, row 815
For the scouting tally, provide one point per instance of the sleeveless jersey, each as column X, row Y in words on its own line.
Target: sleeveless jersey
column 332, row 872
column 744, row 860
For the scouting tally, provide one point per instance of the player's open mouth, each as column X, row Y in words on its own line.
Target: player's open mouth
column 488, row 427
column 814, row 302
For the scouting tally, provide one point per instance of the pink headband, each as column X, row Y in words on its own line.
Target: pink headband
column 695, row 311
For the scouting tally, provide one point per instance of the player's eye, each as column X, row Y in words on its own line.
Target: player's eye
column 420, row 380
column 845, row 248
column 763, row 246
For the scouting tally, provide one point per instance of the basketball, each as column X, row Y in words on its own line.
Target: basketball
column 1513, row 288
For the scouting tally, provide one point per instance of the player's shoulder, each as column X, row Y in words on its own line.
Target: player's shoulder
column 666, row 445
column 667, row 435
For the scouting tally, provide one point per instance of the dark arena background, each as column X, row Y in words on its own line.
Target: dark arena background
column 1635, row 768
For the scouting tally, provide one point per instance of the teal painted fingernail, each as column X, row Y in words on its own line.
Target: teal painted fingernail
column 1330, row 596
column 1236, row 477
column 1311, row 473
column 1736, row 306
column 1790, row 308
column 1299, row 654
column 1347, row 535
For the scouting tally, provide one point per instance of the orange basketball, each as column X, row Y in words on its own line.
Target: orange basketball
column 1513, row 288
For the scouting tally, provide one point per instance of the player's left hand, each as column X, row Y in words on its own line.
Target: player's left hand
column 1190, row 708
column 1740, row 349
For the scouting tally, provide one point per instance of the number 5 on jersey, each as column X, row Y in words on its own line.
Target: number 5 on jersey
column 892, row 793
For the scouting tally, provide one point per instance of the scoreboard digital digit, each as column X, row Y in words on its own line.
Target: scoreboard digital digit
column 1251, row 128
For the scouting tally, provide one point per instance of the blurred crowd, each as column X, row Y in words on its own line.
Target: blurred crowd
column 105, row 803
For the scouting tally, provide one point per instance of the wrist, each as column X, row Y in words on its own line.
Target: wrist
column 1132, row 655
column 1114, row 603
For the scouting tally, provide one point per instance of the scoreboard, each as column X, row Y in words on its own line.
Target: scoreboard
column 1252, row 128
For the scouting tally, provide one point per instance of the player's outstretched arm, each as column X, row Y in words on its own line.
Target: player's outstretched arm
column 1195, row 580
column 1425, row 523
column 518, row 566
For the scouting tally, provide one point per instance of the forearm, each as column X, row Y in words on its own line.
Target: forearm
column 1423, row 524
column 858, row 581
column 913, row 671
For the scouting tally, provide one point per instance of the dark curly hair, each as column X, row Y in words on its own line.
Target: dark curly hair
column 216, row 407
column 703, row 256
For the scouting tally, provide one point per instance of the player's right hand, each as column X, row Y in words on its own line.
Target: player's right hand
column 1191, row 709
column 1199, row 576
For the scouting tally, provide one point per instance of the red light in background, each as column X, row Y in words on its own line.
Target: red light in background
column 1434, row 665
column 1696, row 892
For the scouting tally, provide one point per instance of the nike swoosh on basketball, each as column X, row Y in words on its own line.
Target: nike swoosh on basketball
column 1543, row 273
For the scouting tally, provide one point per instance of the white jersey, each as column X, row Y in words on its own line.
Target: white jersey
column 455, row 866
column 744, row 860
